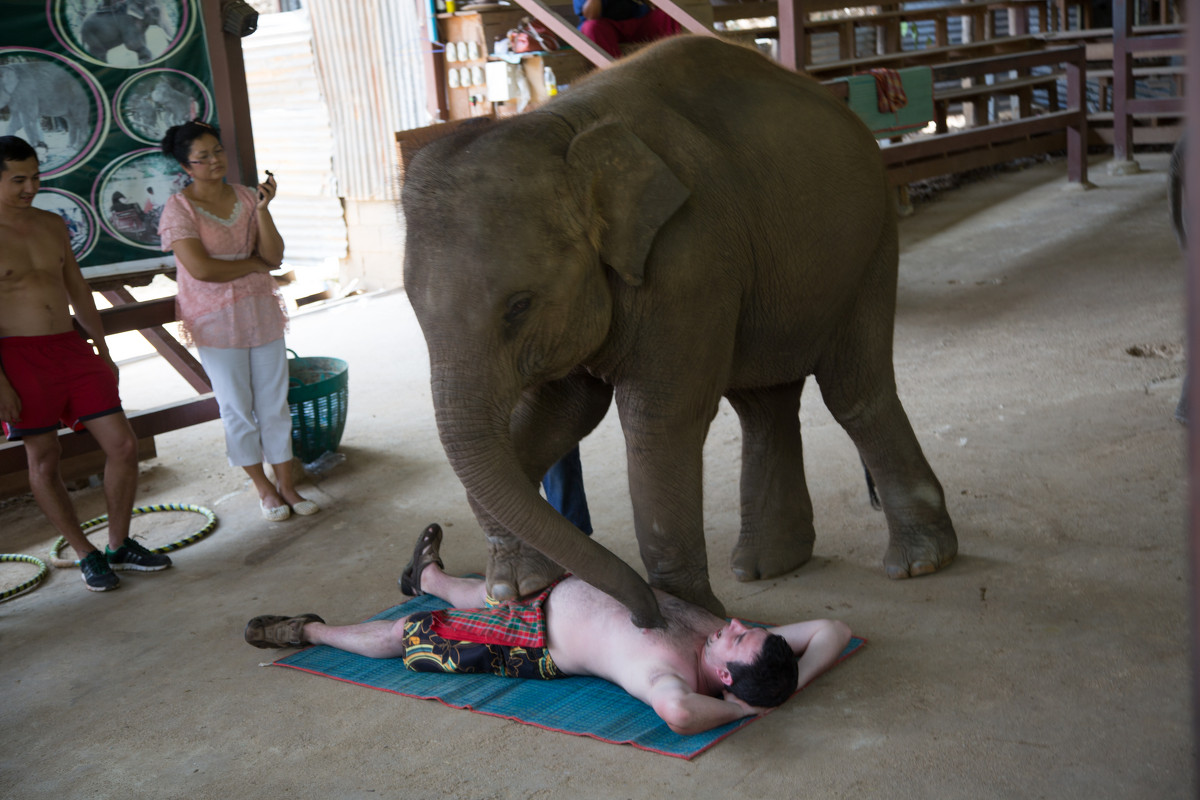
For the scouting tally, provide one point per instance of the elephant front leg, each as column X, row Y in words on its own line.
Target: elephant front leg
column 547, row 423
column 777, row 516
column 514, row 569
column 666, row 486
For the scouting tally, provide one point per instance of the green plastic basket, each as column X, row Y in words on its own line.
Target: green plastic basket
column 318, row 393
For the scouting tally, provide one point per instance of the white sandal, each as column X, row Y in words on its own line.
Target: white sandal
column 276, row 514
column 305, row 508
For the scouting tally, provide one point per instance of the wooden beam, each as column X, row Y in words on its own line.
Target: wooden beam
column 167, row 345
column 229, row 90
column 686, row 20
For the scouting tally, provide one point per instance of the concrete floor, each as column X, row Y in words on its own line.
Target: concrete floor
column 1050, row 660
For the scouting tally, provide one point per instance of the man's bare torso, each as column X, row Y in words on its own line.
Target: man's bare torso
column 590, row 633
column 33, row 295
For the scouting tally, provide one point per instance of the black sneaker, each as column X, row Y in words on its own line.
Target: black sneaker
column 97, row 576
column 131, row 555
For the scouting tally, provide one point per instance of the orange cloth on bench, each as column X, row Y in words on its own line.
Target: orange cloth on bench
column 890, row 90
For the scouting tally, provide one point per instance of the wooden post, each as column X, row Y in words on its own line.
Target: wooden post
column 793, row 49
column 1122, row 90
column 1077, row 136
column 229, row 89
column 1192, row 219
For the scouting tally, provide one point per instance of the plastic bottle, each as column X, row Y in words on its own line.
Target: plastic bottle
column 551, row 82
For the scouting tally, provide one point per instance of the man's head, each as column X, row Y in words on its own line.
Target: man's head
column 19, row 172
column 757, row 666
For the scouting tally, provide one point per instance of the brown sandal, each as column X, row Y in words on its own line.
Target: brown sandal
column 424, row 554
column 275, row 632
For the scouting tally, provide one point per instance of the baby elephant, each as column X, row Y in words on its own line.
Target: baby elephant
column 695, row 222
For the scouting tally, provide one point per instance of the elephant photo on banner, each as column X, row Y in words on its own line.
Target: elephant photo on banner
column 691, row 224
column 49, row 103
column 120, row 33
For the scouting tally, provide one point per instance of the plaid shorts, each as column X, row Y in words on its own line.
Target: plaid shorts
column 508, row 640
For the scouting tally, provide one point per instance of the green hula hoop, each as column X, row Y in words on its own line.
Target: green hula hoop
column 209, row 525
column 32, row 582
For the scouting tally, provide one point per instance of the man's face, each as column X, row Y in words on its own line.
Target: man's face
column 19, row 182
column 734, row 643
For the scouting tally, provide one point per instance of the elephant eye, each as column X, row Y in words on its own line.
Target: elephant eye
column 518, row 304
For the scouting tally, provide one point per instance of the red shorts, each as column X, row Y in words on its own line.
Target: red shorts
column 59, row 378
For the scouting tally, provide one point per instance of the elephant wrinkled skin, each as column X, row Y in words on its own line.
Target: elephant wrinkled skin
column 691, row 223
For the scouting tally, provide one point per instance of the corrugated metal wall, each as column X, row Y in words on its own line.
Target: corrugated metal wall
column 369, row 66
column 293, row 138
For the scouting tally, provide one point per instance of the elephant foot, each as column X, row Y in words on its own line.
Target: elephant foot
column 757, row 558
column 708, row 601
column 692, row 590
column 920, row 549
column 516, row 570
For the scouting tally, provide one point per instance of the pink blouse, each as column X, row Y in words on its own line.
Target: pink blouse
column 244, row 312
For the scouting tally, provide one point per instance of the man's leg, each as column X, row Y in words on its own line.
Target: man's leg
column 384, row 638
column 42, row 452
column 119, row 443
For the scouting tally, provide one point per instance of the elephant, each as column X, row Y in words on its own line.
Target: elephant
column 104, row 29
column 694, row 222
column 34, row 90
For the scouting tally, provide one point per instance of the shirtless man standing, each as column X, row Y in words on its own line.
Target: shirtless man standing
column 50, row 374
column 698, row 673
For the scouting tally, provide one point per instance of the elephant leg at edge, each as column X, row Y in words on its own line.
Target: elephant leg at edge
column 921, row 536
column 858, row 384
column 777, row 531
column 547, row 423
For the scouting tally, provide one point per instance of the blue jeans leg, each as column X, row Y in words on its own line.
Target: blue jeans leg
column 563, row 483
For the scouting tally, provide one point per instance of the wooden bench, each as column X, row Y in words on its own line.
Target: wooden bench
column 1062, row 127
column 81, row 455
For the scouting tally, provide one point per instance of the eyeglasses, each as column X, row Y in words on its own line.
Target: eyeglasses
column 217, row 155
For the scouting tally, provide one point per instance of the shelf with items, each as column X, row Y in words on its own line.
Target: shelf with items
column 468, row 37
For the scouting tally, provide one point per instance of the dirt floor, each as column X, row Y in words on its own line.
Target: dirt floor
column 1050, row 660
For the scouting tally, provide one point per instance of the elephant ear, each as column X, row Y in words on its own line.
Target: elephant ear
column 634, row 193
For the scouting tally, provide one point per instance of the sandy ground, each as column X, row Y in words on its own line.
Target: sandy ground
column 1050, row 660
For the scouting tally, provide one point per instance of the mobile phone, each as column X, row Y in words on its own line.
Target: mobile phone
column 269, row 176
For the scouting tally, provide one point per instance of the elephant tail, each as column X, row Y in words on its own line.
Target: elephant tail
column 871, row 493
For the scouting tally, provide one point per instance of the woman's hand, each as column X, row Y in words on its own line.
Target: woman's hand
column 266, row 192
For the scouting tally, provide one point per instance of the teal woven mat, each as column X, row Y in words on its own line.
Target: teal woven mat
column 581, row 706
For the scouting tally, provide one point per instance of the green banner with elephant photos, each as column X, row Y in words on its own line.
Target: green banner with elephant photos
column 93, row 85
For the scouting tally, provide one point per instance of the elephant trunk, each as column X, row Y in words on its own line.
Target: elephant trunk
column 475, row 431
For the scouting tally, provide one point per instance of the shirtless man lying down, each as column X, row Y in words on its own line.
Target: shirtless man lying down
column 698, row 673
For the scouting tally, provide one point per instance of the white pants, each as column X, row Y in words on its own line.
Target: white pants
column 251, row 386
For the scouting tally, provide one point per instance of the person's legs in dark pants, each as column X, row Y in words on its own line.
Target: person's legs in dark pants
column 563, row 483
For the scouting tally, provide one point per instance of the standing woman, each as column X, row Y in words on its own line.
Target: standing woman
column 226, row 245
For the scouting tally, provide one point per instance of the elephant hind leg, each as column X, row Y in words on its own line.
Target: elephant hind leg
column 859, row 387
column 777, row 516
